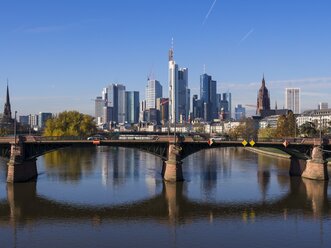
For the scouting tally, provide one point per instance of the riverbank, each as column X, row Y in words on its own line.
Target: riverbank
column 274, row 152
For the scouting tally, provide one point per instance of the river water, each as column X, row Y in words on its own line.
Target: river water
column 115, row 197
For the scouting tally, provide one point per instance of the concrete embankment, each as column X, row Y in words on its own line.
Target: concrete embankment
column 269, row 151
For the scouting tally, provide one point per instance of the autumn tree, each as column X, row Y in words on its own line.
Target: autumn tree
column 70, row 123
column 286, row 126
column 246, row 130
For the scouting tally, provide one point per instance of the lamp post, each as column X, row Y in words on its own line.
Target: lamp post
column 15, row 128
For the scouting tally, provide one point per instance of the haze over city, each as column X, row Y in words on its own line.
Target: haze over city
column 59, row 55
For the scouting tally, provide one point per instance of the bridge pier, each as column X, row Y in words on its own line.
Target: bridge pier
column 316, row 168
column 19, row 169
column 172, row 170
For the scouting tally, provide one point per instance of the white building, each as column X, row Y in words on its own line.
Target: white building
column 292, row 99
column 321, row 117
column 153, row 91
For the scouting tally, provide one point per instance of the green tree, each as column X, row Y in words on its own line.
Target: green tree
column 308, row 129
column 70, row 123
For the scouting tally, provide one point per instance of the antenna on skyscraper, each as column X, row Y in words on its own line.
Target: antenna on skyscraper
column 204, row 68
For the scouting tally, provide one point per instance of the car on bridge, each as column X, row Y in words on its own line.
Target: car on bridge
column 97, row 137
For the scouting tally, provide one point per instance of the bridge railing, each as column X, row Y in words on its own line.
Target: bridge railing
column 53, row 138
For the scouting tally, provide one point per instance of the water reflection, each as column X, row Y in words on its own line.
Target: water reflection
column 24, row 206
column 229, row 196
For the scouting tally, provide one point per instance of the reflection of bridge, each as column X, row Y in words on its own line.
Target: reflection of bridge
column 24, row 152
column 23, row 205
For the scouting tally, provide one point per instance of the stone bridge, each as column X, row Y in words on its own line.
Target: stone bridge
column 24, row 151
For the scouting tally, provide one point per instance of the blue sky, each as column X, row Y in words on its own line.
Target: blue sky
column 58, row 55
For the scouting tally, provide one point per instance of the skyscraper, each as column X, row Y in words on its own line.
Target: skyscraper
column 153, row 91
column 240, row 112
column 43, row 117
column 132, row 106
column 263, row 98
column 114, row 97
column 173, row 88
column 292, row 99
column 208, row 96
column 182, row 94
column 178, row 90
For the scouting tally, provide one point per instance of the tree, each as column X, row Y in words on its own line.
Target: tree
column 70, row 123
column 267, row 133
column 246, row 130
column 286, row 126
column 308, row 129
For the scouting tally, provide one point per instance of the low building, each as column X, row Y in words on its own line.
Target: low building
column 321, row 117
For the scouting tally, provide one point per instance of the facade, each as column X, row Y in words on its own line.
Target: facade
column 263, row 99
column 240, row 112
column 183, row 98
column 322, row 118
column 114, row 97
column 323, row 105
column 153, row 91
column 132, row 106
column 43, row 117
column 162, row 104
column 99, row 105
column 292, row 99
column 208, row 96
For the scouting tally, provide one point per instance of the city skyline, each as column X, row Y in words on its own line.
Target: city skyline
column 55, row 64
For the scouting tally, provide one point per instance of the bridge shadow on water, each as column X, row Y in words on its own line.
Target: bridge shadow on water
column 23, row 206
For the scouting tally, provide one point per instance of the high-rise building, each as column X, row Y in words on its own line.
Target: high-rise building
column 183, row 108
column 263, row 98
column 162, row 104
column 178, row 90
column 323, row 105
column 153, row 91
column 132, row 106
column 43, row 117
column 208, row 96
column 240, row 112
column 100, row 103
column 292, row 99
column 114, row 97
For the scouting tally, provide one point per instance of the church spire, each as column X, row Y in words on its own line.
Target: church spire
column 263, row 81
column 7, row 109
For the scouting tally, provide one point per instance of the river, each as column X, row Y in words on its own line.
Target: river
column 115, row 197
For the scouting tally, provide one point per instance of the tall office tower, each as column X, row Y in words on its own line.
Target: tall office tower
column 229, row 99
column 43, row 117
column 188, row 103
column 173, row 88
column 323, row 105
column 292, row 99
column 114, row 96
column 178, row 90
column 208, row 96
column 142, row 110
column 99, row 104
column 182, row 94
column 263, row 98
column 132, row 106
column 240, row 112
column 197, row 107
column 153, row 91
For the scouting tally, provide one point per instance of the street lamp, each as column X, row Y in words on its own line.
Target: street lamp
column 15, row 128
